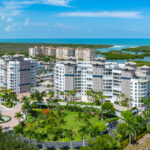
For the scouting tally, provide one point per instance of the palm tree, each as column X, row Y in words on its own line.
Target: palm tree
column 4, row 94
column 89, row 93
column 99, row 97
column 73, row 93
column 25, row 107
column 13, row 97
column 38, row 97
column 8, row 96
column 62, row 94
column 51, row 94
column 83, row 132
column 19, row 116
column 146, row 101
column 130, row 131
column 70, row 134
column 24, row 98
column 67, row 95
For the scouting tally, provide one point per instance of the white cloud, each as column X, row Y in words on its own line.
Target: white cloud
column 56, row 2
column 27, row 21
column 8, row 28
column 9, row 19
column 108, row 14
column 14, row 4
column 64, row 26
column 3, row 17
column 14, row 7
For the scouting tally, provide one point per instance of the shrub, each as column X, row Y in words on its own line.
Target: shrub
column 114, row 119
column 148, row 127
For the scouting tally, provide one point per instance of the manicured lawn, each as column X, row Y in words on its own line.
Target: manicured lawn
column 72, row 121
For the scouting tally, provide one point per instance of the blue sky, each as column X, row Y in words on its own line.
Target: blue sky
column 74, row 19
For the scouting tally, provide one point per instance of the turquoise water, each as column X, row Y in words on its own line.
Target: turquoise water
column 117, row 42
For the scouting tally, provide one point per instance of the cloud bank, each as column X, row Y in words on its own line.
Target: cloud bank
column 107, row 14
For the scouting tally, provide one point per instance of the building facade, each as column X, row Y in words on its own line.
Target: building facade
column 84, row 54
column 18, row 73
column 112, row 78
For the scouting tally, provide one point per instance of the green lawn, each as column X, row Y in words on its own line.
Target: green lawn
column 72, row 121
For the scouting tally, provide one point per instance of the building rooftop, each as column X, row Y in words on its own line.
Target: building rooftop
column 130, row 63
column 145, row 67
column 128, row 68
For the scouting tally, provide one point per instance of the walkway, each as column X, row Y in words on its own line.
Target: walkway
column 143, row 138
column 10, row 112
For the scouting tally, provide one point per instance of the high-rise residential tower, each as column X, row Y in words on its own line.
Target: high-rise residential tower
column 18, row 73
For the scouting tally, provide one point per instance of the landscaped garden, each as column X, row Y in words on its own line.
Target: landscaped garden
column 52, row 121
column 8, row 97
column 64, row 123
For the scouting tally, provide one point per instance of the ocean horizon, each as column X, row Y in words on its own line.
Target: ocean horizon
column 115, row 42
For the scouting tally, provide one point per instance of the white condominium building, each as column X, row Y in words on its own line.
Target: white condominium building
column 18, row 73
column 113, row 79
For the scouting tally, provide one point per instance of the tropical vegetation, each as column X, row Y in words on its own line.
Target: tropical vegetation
column 8, row 97
column 11, row 142
column 64, row 123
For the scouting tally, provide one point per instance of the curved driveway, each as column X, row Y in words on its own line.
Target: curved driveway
column 10, row 112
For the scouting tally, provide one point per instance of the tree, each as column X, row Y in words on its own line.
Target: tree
column 128, row 128
column 146, row 101
column 25, row 107
column 104, row 142
column 38, row 97
column 148, row 127
column 11, row 142
column 83, row 132
column 8, row 96
column 123, row 100
column 41, row 136
column 19, row 116
column 108, row 108
column 70, row 134
column 97, row 96
column 24, row 98
column 51, row 94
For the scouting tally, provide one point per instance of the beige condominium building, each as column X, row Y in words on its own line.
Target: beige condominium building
column 84, row 54
column 64, row 52
column 112, row 78
column 18, row 73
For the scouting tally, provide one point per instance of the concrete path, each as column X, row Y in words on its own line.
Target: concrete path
column 11, row 113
